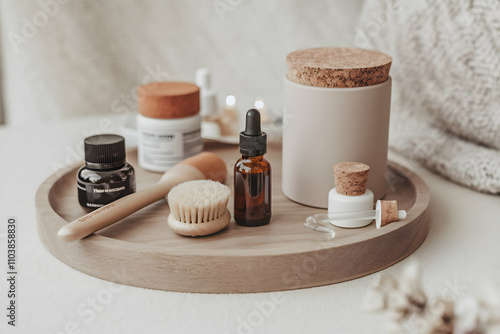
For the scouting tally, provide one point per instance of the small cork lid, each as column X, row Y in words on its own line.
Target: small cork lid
column 351, row 178
column 169, row 100
column 388, row 212
column 338, row 67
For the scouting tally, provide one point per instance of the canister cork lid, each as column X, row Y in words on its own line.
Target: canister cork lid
column 169, row 99
column 338, row 67
column 351, row 178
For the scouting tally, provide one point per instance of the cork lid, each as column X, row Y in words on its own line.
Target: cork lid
column 169, row 99
column 338, row 67
column 351, row 178
column 387, row 212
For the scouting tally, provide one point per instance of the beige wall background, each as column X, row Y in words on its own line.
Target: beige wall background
column 65, row 58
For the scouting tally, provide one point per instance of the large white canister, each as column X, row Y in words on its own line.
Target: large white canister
column 337, row 107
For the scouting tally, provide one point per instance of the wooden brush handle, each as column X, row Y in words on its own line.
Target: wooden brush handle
column 119, row 209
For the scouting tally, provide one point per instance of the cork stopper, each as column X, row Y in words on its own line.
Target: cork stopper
column 169, row 100
column 351, row 178
column 338, row 67
column 389, row 212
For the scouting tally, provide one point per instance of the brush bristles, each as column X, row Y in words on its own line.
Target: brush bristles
column 198, row 201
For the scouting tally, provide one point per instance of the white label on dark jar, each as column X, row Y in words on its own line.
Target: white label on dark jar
column 96, row 195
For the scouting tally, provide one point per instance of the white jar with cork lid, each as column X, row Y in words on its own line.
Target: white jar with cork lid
column 337, row 107
column 350, row 193
column 168, row 123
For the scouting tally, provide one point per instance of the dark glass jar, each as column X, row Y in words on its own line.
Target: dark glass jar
column 106, row 175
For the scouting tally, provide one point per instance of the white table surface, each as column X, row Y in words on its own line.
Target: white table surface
column 460, row 255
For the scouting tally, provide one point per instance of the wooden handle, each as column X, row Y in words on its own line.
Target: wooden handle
column 119, row 209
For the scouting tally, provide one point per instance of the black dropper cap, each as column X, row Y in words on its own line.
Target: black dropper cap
column 105, row 151
column 253, row 142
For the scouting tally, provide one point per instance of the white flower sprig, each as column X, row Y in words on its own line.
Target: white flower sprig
column 410, row 310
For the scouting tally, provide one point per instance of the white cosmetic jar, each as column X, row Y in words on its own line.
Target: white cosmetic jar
column 323, row 126
column 168, row 124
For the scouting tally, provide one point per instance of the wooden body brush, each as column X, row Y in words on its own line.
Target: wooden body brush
column 202, row 166
column 199, row 208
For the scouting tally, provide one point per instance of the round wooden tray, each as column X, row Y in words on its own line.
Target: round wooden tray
column 142, row 251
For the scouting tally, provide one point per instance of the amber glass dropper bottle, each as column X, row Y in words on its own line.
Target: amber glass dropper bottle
column 252, row 176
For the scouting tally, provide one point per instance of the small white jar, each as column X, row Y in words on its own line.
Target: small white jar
column 342, row 203
column 168, row 124
column 350, row 193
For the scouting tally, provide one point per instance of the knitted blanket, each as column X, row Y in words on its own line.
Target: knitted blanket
column 446, row 93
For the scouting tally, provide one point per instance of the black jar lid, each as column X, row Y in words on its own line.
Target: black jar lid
column 105, row 151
